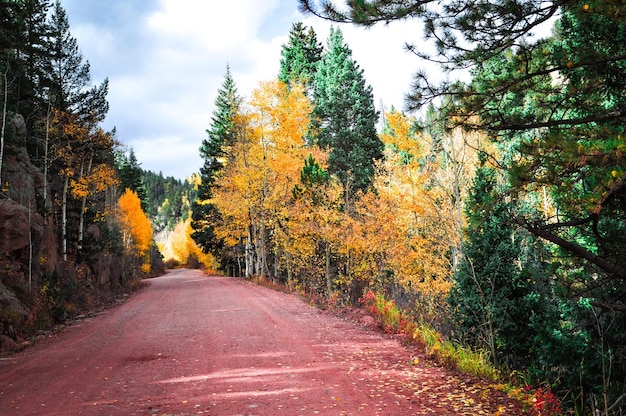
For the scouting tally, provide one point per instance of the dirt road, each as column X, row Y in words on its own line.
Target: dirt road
column 189, row 344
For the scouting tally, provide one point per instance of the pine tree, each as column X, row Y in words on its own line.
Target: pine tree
column 32, row 101
column 559, row 99
column 300, row 57
column 345, row 117
column 23, row 28
column 490, row 299
column 67, row 75
column 131, row 176
column 221, row 134
column 78, row 109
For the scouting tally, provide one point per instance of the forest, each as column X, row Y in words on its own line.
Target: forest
column 491, row 210
column 74, row 225
column 487, row 215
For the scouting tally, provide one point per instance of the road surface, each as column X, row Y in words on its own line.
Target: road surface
column 190, row 344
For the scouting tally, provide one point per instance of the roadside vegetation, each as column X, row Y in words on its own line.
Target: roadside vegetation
column 488, row 225
column 74, row 234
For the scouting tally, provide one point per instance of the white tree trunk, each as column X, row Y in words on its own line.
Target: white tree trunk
column 4, row 119
column 83, row 206
column 249, row 254
column 64, row 217
column 45, row 159
column 329, row 280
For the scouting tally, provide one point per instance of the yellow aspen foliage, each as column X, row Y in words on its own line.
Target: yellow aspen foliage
column 407, row 226
column 101, row 178
column 279, row 119
column 264, row 164
column 313, row 232
column 136, row 227
column 180, row 247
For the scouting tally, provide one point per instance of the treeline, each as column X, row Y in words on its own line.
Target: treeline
column 497, row 217
column 167, row 203
column 165, row 200
column 168, row 200
column 72, row 231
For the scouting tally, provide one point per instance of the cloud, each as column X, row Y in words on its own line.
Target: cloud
column 380, row 51
column 181, row 154
column 214, row 28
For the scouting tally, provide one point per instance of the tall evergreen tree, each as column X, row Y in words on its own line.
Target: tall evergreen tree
column 78, row 109
column 10, row 30
column 68, row 75
column 300, row 57
column 23, row 29
column 31, row 101
column 213, row 150
column 560, row 100
column 490, row 299
column 131, row 177
column 345, row 118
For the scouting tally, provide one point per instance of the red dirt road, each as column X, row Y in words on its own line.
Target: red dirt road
column 188, row 344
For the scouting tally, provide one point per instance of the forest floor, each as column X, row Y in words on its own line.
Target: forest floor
column 189, row 344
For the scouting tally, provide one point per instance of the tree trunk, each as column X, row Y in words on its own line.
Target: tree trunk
column 289, row 272
column 4, row 119
column 249, row 254
column 458, row 253
column 83, row 206
column 262, row 264
column 260, row 253
column 30, row 249
column 45, row 160
column 64, row 218
column 329, row 280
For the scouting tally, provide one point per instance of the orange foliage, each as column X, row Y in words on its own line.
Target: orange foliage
column 315, row 224
column 135, row 224
column 407, row 229
column 101, row 178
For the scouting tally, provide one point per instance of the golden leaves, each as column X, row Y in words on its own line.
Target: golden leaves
column 265, row 161
column 101, row 178
column 135, row 224
column 180, row 247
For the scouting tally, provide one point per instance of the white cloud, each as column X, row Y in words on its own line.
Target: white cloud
column 99, row 39
column 180, row 154
column 216, row 27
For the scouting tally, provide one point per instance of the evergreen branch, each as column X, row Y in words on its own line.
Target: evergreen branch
column 612, row 115
column 546, row 233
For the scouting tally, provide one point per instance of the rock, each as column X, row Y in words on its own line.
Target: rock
column 10, row 306
column 22, row 180
column 19, row 125
column 12, row 315
column 7, row 343
column 20, row 228
column 15, row 225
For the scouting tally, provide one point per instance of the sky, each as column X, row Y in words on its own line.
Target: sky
column 166, row 59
